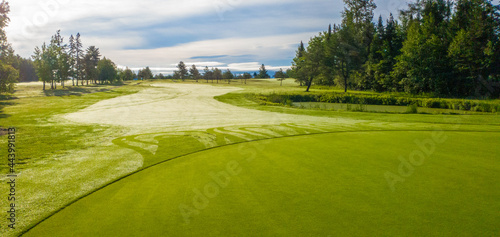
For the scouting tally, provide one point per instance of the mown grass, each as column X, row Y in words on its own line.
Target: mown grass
column 39, row 134
column 330, row 184
column 59, row 149
column 43, row 144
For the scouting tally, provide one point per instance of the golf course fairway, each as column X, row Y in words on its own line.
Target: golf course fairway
column 396, row 183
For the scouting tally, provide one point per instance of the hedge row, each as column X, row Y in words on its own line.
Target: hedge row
column 347, row 98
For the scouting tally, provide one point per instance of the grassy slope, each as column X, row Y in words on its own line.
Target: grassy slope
column 283, row 189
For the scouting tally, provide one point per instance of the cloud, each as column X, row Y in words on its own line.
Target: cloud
column 233, row 34
column 257, row 49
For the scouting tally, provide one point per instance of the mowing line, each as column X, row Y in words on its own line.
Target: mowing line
column 236, row 143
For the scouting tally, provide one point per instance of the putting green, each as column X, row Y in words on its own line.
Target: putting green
column 357, row 183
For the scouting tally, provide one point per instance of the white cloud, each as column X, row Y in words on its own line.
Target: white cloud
column 264, row 48
column 121, row 30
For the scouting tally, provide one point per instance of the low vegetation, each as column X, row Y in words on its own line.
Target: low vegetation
column 492, row 106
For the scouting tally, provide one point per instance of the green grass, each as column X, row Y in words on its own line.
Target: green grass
column 303, row 186
column 49, row 150
column 487, row 122
column 291, row 188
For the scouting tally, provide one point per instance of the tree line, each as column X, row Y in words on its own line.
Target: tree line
column 442, row 47
column 8, row 74
column 58, row 62
column 184, row 72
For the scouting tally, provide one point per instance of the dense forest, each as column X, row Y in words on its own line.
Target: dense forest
column 438, row 47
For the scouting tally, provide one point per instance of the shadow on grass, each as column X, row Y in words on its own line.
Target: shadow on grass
column 5, row 100
column 67, row 91
column 78, row 91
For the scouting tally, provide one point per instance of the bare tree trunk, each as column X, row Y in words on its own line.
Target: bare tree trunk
column 43, row 85
column 309, row 83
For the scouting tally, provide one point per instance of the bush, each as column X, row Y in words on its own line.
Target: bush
column 412, row 109
column 380, row 99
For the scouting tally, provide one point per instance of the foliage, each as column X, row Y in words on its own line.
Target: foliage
column 8, row 78
column 228, row 75
column 194, row 73
column 126, row 75
column 145, row 74
column 436, row 47
column 280, row 75
column 182, row 72
column 263, row 72
column 107, row 71
column 382, row 99
column 8, row 74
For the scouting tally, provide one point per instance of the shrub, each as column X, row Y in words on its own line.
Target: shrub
column 378, row 99
column 412, row 109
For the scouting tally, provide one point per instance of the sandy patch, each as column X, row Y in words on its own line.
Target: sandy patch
column 175, row 107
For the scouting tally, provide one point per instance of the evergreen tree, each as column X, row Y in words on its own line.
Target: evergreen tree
column 90, row 60
column 79, row 59
column 475, row 47
column 208, row 74
column 195, row 74
column 228, row 75
column 217, row 74
column 263, row 72
column 423, row 65
column 182, row 71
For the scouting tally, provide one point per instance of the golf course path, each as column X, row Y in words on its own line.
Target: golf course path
column 174, row 107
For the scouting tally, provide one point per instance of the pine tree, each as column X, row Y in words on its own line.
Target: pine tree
column 475, row 47
column 91, row 59
column 263, row 72
column 182, row 70
column 298, row 64
column 78, row 59
column 195, row 74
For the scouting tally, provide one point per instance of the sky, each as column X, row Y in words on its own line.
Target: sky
column 239, row 35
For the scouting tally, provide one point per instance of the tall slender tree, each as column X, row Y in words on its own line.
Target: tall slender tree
column 91, row 58
column 182, row 70
column 263, row 73
column 79, row 59
column 195, row 74
column 228, row 75
column 208, row 74
column 217, row 74
column 298, row 71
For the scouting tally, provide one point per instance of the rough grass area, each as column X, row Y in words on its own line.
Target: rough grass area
column 492, row 106
column 57, row 161
column 330, row 184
